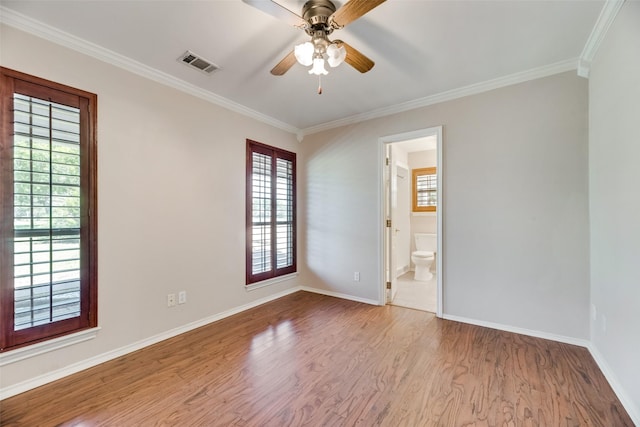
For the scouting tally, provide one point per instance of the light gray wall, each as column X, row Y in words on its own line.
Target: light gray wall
column 614, row 176
column 171, row 189
column 515, row 226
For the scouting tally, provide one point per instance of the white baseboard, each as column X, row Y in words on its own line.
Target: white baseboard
column 400, row 271
column 629, row 405
column 340, row 295
column 38, row 381
column 522, row 331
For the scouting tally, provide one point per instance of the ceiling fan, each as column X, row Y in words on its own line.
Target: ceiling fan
column 319, row 19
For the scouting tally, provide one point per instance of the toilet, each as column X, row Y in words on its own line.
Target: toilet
column 426, row 244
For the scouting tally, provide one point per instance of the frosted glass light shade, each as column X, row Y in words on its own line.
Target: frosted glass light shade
column 336, row 55
column 304, row 53
column 318, row 67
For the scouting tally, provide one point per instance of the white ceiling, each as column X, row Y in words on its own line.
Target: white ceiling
column 421, row 48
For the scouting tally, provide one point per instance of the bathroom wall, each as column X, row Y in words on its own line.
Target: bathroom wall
column 422, row 222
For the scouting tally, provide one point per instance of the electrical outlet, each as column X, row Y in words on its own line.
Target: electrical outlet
column 356, row 276
column 171, row 300
column 182, row 297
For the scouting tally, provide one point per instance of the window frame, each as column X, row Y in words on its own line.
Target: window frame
column 416, row 173
column 17, row 82
column 275, row 153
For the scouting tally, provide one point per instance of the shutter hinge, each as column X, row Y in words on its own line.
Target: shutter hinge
column 388, row 285
column 387, row 161
column 388, row 223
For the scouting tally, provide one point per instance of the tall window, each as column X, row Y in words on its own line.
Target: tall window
column 271, row 212
column 425, row 190
column 48, row 229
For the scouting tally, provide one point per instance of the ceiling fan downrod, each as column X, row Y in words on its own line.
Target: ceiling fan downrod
column 317, row 13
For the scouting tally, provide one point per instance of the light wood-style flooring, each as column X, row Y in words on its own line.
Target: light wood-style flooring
column 313, row 360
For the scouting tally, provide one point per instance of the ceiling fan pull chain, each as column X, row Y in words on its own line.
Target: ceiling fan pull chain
column 319, row 85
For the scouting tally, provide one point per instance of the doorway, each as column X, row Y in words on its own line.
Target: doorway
column 402, row 156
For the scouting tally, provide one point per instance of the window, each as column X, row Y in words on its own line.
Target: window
column 271, row 212
column 48, row 225
column 425, row 190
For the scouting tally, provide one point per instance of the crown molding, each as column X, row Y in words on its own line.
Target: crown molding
column 536, row 73
column 607, row 16
column 47, row 32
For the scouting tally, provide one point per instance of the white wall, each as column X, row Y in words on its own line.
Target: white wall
column 516, row 225
column 423, row 222
column 401, row 208
column 614, row 172
column 171, row 188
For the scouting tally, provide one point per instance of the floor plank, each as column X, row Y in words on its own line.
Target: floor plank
column 313, row 360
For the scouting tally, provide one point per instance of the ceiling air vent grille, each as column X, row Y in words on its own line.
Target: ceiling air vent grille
column 197, row 62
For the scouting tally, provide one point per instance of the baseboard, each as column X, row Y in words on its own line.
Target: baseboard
column 110, row 355
column 340, row 295
column 629, row 405
column 402, row 270
column 522, row 331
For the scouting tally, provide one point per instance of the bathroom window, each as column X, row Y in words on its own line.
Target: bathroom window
column 425, row 190
column 271, row 212
column 48, row 194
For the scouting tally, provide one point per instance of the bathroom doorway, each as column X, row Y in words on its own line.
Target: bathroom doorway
column 412, row 179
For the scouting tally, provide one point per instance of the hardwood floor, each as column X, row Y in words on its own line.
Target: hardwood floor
column 313, row 360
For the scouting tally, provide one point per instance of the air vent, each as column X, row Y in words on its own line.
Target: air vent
column 197, row 62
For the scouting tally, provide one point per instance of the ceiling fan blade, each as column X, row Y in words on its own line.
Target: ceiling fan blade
column 284, row 65
column 352, row 10
column 277, row 11
column 355, row 58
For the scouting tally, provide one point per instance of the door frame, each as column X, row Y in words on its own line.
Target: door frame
column 383, row 197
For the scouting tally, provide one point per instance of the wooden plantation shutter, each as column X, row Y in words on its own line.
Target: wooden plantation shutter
column 271, row 213
column 47, row 196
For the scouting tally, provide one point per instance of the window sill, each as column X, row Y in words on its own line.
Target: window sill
column 26, row 352
column 270, row 282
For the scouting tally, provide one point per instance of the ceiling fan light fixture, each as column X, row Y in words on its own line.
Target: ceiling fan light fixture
column 318, row 67
column 319, row 19
column 304, row 53
column 336, row 54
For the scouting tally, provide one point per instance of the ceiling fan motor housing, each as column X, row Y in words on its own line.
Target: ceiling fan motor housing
column 317, row 13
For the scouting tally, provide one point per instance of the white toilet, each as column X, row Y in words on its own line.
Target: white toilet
column 426, row 244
